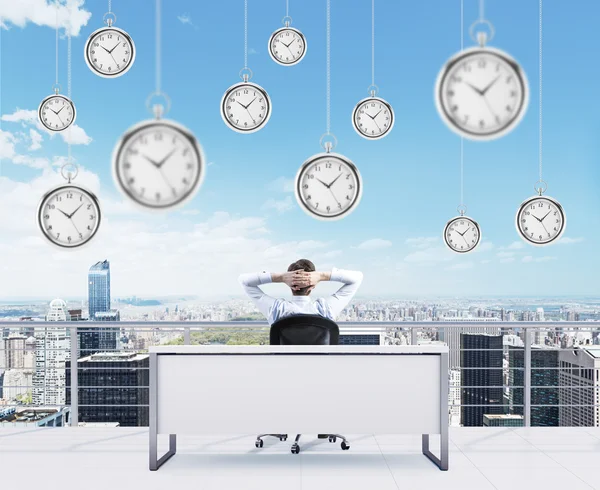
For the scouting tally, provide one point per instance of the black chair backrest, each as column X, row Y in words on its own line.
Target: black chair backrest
column 304, row 330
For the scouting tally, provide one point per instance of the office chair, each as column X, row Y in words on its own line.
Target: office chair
column 304, row 330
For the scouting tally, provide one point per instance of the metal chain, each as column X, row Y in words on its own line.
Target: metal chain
column 328, row 66
column 481, row 11
column 287, row 8
column 69, row 81
column 157, row 54
column 0, row 91
column 56, row 42
column 373, row 42
column 110, row 6
column 540, row 82
column 245, row 34
column 462, row 140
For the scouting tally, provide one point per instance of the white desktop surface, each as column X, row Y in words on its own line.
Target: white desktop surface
column 290, row 349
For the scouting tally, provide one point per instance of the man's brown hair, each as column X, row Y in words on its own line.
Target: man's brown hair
column 302, row 265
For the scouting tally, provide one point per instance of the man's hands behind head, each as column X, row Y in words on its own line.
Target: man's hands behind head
column 301, row 279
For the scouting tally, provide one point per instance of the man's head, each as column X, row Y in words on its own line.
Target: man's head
column 306, row 266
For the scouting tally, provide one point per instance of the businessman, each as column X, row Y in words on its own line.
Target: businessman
column 301, row 277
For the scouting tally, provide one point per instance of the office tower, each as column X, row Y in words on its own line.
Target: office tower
column 92, row 338
column 14, row 351
column 503, row 420
column 451, row 334
column 58, row 312
column 52, row 351
column 98, row 288
column 113, row 373
column 481, row 368
column 544, row 375
column 454, row 393
column 365, row 336
column 579, row 369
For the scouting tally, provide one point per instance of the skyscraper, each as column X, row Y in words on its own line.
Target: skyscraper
column 579, row 393
column 91, row 338
column 481, row 376
column 117, row 396
column 99, row 288
column 542, row 380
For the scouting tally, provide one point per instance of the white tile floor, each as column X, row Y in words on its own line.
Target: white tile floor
column 480, row 458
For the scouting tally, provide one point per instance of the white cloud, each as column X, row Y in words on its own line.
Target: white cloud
column 507, row 260
column 280, row 207
column 186, row 19
column 421, row 242
column 429, row 256
column 516, row 246
column 504, row 255
column 374, row 244
column 460, row 266
column 308, row 245
column 485, row 261
column 29, row 161
column 568, row 240
column 7, row 145
column 21, row 115
column 36, row 140
column 281, row 184
column 43, row 13
column 529, row 258
column 76, row 135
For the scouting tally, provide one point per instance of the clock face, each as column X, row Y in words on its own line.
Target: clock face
column 462, row 234
column 482, row 93
column 373, row 118
column 109, row 52
column 287, row 46
column 246, row 107
column 69, row 216
column 56, row 112
column 328, row 186
column 540, row 220
column 158, row 164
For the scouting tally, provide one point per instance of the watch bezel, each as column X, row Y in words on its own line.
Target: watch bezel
column 59, row 96
column 382, row 101
column 288, row 28
column 526, row 203
column 473, row 222
column 91, row 65
column 236, row 86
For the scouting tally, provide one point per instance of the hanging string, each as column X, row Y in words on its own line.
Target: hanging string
column 0, row 93
column 245, row 34
column 372, row 42
column 110, row 6
column 56, row 50
column 69, row 81
column 157, row 54
column 287, row 8
column 328, row 66
column 481, row 11
column 540, row 82
column 462, row 140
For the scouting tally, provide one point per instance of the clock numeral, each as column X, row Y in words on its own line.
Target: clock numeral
column 92, row 216
column 309, row 197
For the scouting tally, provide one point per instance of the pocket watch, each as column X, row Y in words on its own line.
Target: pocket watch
column 540, row 220
column 158, row 163
column 287, row 45
column 69, row 215
column 373, row 117
column 328, row 186
column 482, row 93
column 462, row 234
column 56, row 112
column 109, row 52
column 245, row 107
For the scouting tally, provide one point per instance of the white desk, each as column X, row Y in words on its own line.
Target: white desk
column 312, row 389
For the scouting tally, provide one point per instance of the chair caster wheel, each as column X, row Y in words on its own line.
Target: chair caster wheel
column 332, row 438
column 345, row 446
column 258, row 443
column 283, row 438
column 295, row 449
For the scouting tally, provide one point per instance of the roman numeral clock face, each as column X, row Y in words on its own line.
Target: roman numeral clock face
column 287, row 46
column 481, row 93
column 69, row 216
column 540, row 220
column 109, row 52
column 158, row 164
column 328, row 186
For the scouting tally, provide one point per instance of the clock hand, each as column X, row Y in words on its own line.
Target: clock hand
column 536, row 217
column 71, row 215
column 545, row 216
column 338, row 202
column 463, row 234
column 151, row 161
column 323, row 183
column 545, row 227
column 474, row 88
column 253, row 120
column 377, row 114
column 166, row 180
column 75, row 226
column 251, row 102
column 113, row 48
column 490, row 85
column 64, row 213
column 487, row 102
column 288, row 45
column 329, row 186
column 241, row 104
column 162, row 162
column 104, row 49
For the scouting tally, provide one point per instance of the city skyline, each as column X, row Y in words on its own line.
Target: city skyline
column 245, row 218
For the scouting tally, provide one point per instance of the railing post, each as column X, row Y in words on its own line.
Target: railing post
column 527, row 379
column 414, row 337
column 186, row 335
column 74, row 377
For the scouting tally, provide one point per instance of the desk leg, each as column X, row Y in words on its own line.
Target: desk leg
column 156, row 463
column 442, row 461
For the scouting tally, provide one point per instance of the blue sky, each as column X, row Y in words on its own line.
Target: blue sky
column 245, row 217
